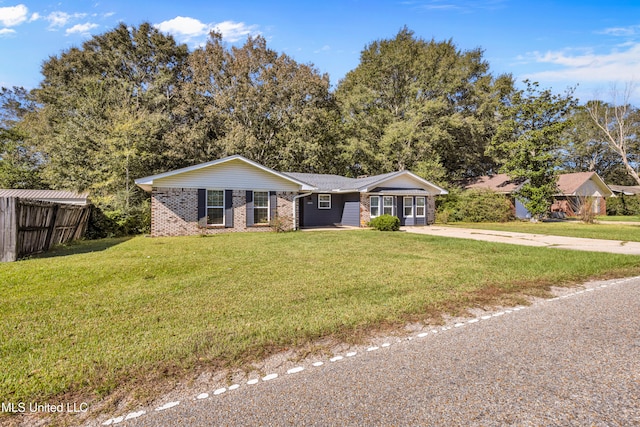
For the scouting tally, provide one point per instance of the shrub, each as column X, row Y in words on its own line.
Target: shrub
column 280, row 224
column 623, row 205
column 475, row 206
column 116, row 223
column 385, row 223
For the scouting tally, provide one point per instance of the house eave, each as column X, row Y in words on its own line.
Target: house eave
column 146, row 183
column 424, row 182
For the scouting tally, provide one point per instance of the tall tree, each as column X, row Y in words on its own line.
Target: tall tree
column 20, row 162
column 416, row 104
column 619, row 123
column 528, row 139
column 105, row 109
column 250, row 100
column 586, row 150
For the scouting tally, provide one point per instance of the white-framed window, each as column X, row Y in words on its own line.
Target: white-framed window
column 215, row 207
column 387, row 205
column 420, row 206
column 324, row 201
column 260, row 207
column 374, row 206
column 407, row 206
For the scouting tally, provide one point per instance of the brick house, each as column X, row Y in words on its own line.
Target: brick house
column 236, row 194
column 573, row 188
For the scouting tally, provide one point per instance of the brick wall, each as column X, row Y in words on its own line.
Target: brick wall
column 365, row 211
column 174, row 212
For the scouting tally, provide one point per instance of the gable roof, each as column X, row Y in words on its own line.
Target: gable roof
column 306, row 181
column 500, row 183
column 146, row 183
column 58, row 196
column 323, row 182
column 337, row 183
column 570, row 183
column 567, row 183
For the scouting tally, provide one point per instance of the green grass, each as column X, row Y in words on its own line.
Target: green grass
column 624, row 232
column 618, row 218
column 92, row 317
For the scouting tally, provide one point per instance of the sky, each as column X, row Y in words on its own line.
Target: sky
column 592, row 46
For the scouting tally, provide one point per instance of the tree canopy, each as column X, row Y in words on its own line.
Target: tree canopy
column 417, row 104
column 528, row 140
column 133, row 102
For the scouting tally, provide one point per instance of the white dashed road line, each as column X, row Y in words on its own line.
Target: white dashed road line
column 269, row 377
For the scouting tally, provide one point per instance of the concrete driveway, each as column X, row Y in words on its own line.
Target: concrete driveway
column 529, row 239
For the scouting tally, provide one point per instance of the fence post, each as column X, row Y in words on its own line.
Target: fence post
column 8, row 229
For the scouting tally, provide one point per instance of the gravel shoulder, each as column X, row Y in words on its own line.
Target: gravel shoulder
column 570, row 360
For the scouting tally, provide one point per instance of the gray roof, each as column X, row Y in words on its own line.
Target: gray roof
column 627, row 190
column 47, row 195
column 325, row 182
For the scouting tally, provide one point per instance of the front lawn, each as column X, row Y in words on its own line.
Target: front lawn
column 624, row 232
column 618, row 218
column 82, row 324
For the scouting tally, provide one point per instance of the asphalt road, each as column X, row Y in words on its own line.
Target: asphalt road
column 570, row 361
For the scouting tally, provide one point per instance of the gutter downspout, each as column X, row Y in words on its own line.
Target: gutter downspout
column 295, row 211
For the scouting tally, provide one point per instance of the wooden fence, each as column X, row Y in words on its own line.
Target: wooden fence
column 29, row 227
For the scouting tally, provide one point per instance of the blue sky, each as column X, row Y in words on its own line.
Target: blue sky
column 561, row 44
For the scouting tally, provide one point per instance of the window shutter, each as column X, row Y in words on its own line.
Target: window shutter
column 273, row 204
column 202, row 207
column 228, row 208
column 249, row 206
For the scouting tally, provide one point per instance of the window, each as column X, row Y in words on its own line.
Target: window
column 260, row 207
column 420, row 205
column 215, row 207
column 374, row 203
column 324, row 201
column 407, row 203
column 387, row 205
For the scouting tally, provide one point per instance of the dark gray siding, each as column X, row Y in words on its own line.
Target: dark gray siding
column 351, row 210
column 313, row 217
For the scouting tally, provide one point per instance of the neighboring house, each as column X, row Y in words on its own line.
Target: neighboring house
column 575, row 187
column 54, row 196
column 502, row 184
column 625, row 190
column 572, row 189
column 237, row 194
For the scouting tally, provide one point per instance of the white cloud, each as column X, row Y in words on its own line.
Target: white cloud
column 588, row 66
column 6, row 32
column 60, row 19
column 235, row 31
column 184, row 27
column 81, row 28
column 621, row 31
column 191, row 30
column 13, row 15
column 34, row 17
